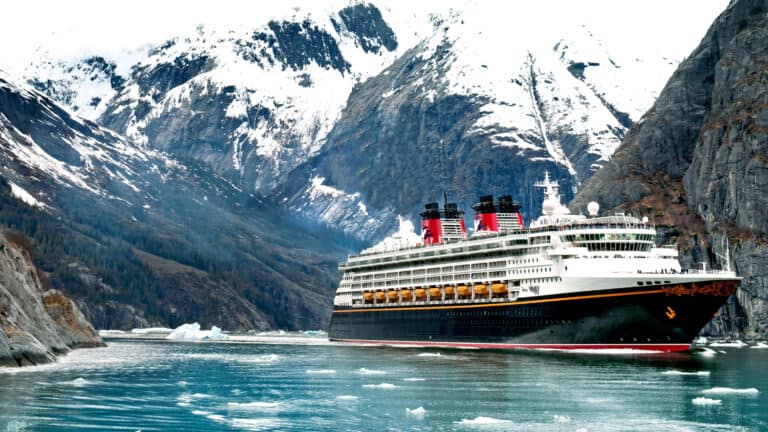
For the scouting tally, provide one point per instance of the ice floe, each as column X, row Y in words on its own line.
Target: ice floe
column 414, row 379
column 79, row 382
column 760, row 345
column 255, row 406
column 192, row 332
column 416, row 413
column 346, row 398
column 485, row 423
column 728, row 344
column 559, row 418
column 382, row 386
column 151, row 330
column 705, row 401
column 364, row 371
column 735, row 391
column 685, row 373
column 320, row 371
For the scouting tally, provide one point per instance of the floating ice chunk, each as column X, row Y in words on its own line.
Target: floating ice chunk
column 78, row 382
column 151, row 330
column 346, row 398
column 364, row 371
column 760, row 345
column 416, row 413
column 192, row 332
column 705, row 401
column 485, row 423
column 429, row 354
column 320, row 371
column 110, row 332
column 728, row 344
column 382, row 386
column 728, row 390
column 705, row 352
column 414, row 379
column 677, row 372
column 557, row 418
column 255, row 406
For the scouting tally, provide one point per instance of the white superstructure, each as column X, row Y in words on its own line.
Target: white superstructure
column 559, row 253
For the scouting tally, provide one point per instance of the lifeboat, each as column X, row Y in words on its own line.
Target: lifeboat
column 380, row 296
column 499, row 289
column 463, row 291
column 393, row 295
column 481, row 290
column 368, row 296
column 449, row 291
column 406, row 294
column 420, row 293
column 435, row 293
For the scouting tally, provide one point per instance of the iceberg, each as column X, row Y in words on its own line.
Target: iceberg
column 192, row 332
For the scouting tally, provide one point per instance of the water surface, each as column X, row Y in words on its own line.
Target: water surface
column 157, row 385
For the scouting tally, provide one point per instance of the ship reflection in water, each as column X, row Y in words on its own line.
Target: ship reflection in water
column 322, row 386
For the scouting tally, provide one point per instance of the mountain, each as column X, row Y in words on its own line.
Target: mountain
column 138, row 238
column 696, row 161
column 335, row 113
column 453, row 114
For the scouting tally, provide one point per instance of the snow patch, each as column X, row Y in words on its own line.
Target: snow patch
column 26, row 197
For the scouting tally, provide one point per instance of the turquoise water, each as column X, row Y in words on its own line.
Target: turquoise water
column 314, row 386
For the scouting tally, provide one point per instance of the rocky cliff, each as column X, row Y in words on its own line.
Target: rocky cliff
column 35, row 325
column 697, row 162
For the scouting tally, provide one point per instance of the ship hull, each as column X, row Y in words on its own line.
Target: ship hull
column 659, row 318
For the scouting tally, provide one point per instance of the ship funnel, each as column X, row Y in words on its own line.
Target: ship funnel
column 452, row 222
column 431, row 226
column 509, row 217
column 485, row 215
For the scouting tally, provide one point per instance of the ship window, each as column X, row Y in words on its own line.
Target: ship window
column 639, row 283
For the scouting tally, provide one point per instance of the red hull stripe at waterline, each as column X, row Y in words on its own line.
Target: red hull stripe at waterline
column 640, row 347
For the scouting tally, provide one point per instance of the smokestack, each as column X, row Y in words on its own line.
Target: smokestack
column 485, row 215
column 509, row 216
column 431, row 226
column 453, row 223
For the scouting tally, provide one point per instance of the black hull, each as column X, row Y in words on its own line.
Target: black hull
column 664, row 318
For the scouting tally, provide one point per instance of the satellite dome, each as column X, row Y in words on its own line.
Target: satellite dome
column 593, row 208
column 548, row 206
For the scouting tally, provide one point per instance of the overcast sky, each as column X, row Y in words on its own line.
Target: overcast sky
column 85, row 26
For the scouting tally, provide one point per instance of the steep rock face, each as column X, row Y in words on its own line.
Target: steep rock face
column 35, row 326
column 706, row 138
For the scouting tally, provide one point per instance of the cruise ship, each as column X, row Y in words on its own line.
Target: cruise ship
column 564, row 282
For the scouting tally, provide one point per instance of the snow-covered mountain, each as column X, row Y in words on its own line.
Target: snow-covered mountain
column 352, row 114
column 139, row 238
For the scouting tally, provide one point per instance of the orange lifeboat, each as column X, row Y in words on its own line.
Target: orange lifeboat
column 368, row 296
column 435, row 293
column 420, row 293
column 499, row 289
column 380, row 296
column 406, row 294
column 481, row 290
column 449, row 291
column 393, row 296
column 463, row 291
